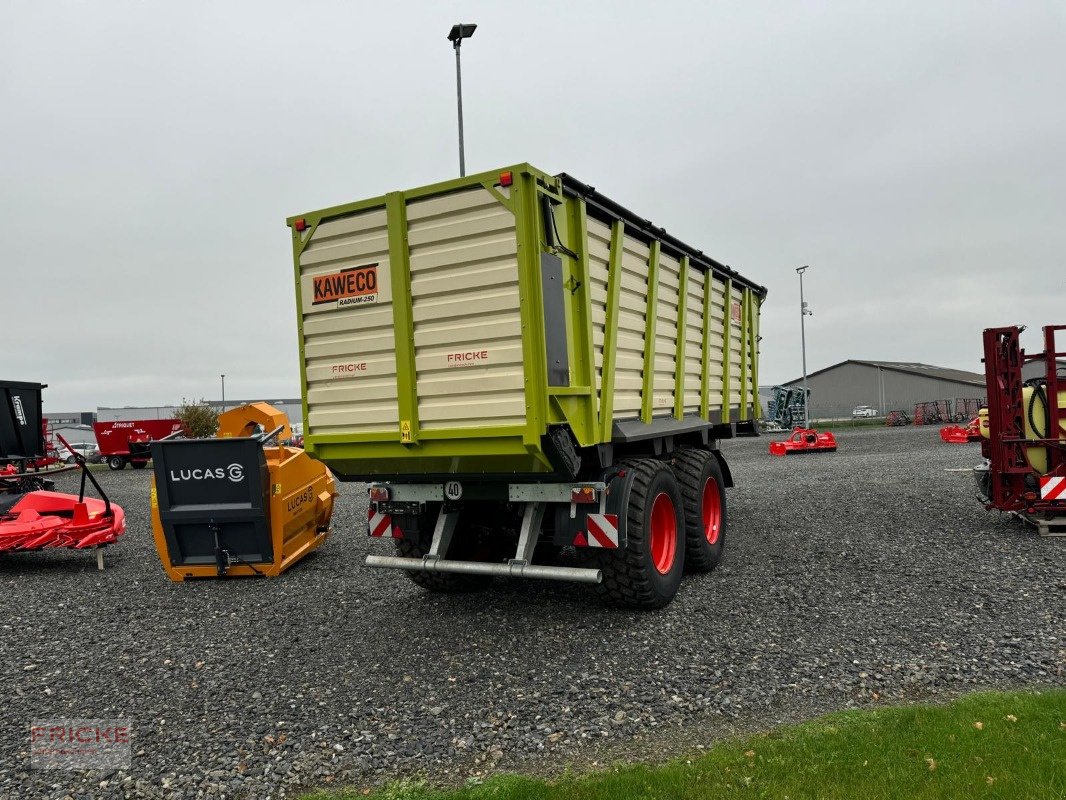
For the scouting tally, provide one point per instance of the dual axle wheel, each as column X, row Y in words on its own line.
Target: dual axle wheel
column 673, row 514
column 675, row 518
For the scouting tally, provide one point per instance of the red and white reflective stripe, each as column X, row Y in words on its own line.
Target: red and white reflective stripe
column 380, row 524
column 602, row 530
column 1053, row 488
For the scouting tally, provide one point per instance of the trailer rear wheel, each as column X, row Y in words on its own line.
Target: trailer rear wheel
column 646, row 573
column 417, row 545
column 703, row 494
column 116, row 462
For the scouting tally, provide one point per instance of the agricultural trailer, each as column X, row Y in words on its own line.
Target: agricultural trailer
column 129, row 441
column 533, row 380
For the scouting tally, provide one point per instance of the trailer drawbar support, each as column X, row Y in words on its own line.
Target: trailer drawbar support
column 517, row 567
column 429, row 564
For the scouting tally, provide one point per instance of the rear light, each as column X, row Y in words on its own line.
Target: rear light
column 506, row 178
column 582, row 494
column 379, row 494
column 1030, row 496
column 300, row 224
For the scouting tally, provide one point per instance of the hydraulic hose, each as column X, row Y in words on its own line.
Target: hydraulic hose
column 1039, row 391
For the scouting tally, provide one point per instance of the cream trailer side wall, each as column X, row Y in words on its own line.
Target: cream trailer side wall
column 499, row 324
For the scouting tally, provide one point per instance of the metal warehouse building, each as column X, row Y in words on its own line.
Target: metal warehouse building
column 885, row 386
column 292, row 407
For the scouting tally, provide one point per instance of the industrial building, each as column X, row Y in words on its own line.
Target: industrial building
column 1035, row 369
column 885, row 386
column 293, row 408
column 74, row 426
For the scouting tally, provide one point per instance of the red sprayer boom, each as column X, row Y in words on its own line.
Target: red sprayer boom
column 1025, row 444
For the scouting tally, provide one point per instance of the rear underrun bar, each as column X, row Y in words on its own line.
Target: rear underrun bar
column 428, row 564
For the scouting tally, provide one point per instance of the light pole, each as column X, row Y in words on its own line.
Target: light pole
column 223, row 376
column 804, row 311
column 460, row 31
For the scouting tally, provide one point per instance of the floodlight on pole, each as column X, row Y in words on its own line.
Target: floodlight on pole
column 804, row 440
column 460, row 31
column 804, row 312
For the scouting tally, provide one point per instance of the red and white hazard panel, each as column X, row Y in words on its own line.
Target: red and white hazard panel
column 381, row 525
column 1053, row 488
column 602, row 531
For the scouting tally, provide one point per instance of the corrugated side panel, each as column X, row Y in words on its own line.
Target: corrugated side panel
column 632, row 306
column 716, row 343
column 348, row 349
column 666, row 336
column 753, row 388
column 735, row 356
column 599, row 253
column 694, row 340
column 465, row 303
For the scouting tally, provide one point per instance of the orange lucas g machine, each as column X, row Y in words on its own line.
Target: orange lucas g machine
column 241, row 503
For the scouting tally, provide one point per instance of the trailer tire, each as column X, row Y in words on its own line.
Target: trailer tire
column 138, row 464
column 416, row 546
column 116, row 462
column 703, row 495
column 646, row 573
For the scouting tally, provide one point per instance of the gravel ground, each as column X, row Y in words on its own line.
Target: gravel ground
column 856, row 578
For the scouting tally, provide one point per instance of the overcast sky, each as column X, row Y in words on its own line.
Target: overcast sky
column 914, row 154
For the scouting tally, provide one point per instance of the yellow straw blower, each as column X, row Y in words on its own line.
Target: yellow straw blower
column 242, row 503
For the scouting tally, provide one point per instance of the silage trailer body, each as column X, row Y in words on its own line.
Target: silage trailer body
column 511, row 344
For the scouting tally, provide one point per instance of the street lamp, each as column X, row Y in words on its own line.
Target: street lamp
column 223, row 376
column 460, row 31
column 804, row 311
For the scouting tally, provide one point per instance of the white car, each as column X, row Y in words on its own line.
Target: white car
column 864, row 411
column 87, row 449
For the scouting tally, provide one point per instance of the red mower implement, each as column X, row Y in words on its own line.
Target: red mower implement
column 32, row 517
column 959, row 434
column 804, row 440
column 38, row 520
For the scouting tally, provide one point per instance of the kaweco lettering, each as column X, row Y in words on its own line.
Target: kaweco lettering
column 350, row 286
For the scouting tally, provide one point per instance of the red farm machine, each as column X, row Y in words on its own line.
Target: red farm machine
column 962, row 434
column 804, row 440
column 32, row 517
column 129, row 441
column 1024, row 431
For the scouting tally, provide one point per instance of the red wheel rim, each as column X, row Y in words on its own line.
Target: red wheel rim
column 712, row 511
column 663, row 533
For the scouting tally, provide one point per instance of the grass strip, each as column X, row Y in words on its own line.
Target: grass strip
column 988, row 745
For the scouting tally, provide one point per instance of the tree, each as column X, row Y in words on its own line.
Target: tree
column 199, row 419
